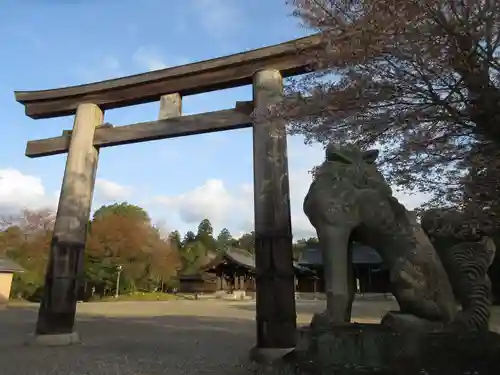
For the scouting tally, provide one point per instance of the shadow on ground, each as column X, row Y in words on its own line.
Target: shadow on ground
column 130, row 346
column 363, row 307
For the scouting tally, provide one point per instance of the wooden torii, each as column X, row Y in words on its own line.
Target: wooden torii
column 265, row 68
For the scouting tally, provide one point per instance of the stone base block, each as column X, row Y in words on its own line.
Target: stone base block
column 268, row 355
column 63, row 339
column 235, row 295
column 400, row 322
column 376, row 349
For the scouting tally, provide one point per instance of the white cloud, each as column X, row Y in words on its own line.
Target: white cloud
column 20, row 191
column 214, row 201
column 104, row 67
column 220, row 18
column 111, row 191
column 234, row 209
column 111, row 63
column 150, row 58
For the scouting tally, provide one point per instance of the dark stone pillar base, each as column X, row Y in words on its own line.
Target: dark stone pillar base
column 56, row 315
column 62, row 339
column 268, row 355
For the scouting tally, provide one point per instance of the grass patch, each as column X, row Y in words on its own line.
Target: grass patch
column 16, row 302
column 140, row 296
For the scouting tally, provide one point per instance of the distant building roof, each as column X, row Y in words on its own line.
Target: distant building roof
column 247, row 259
column 238, row 256
column 199, row 276
column 7, row 265
column 361, row 254
column 241, row 257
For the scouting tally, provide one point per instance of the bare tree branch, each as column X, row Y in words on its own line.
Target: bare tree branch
column 418, row 78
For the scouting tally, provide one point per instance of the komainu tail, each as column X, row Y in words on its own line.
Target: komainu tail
column 467, row 266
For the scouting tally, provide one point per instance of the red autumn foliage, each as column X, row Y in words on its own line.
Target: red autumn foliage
column 132, row 243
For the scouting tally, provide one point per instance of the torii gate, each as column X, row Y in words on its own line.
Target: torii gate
column 265, row 69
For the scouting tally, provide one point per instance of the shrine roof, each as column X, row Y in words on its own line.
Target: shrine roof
column 361, row 254
column 242, row 258
column 7, row 265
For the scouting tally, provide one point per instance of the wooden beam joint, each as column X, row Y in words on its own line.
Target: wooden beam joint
column 106, row 125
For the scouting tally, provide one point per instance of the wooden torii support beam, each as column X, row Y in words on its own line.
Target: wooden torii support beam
column 166, row 127
column 265, row 69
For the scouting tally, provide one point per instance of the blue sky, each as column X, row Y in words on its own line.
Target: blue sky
column 51, row 43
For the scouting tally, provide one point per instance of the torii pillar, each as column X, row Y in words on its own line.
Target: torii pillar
column 275, row 304
column 56, row 317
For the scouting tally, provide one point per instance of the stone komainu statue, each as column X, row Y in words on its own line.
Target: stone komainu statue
column 349, row 200
column 467, row 254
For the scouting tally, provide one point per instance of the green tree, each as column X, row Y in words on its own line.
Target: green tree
column 122, row 209
column 32, row 254
column 247, row 242
column 224, row 240
column 205, row 234
column 27, row 242
column 192, row 256
column 205, row 227
column 10, row 240
column 99, row 273
column 175, row 239
column 312, row 241
column 302, row 244
column 188, row 238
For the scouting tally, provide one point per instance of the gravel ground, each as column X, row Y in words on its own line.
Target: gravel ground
column 148, row 338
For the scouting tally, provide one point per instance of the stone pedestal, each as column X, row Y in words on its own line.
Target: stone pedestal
column 268, row 355
column 62, row 339
column 377, row 349
column 239, row 294
column 400, row 322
